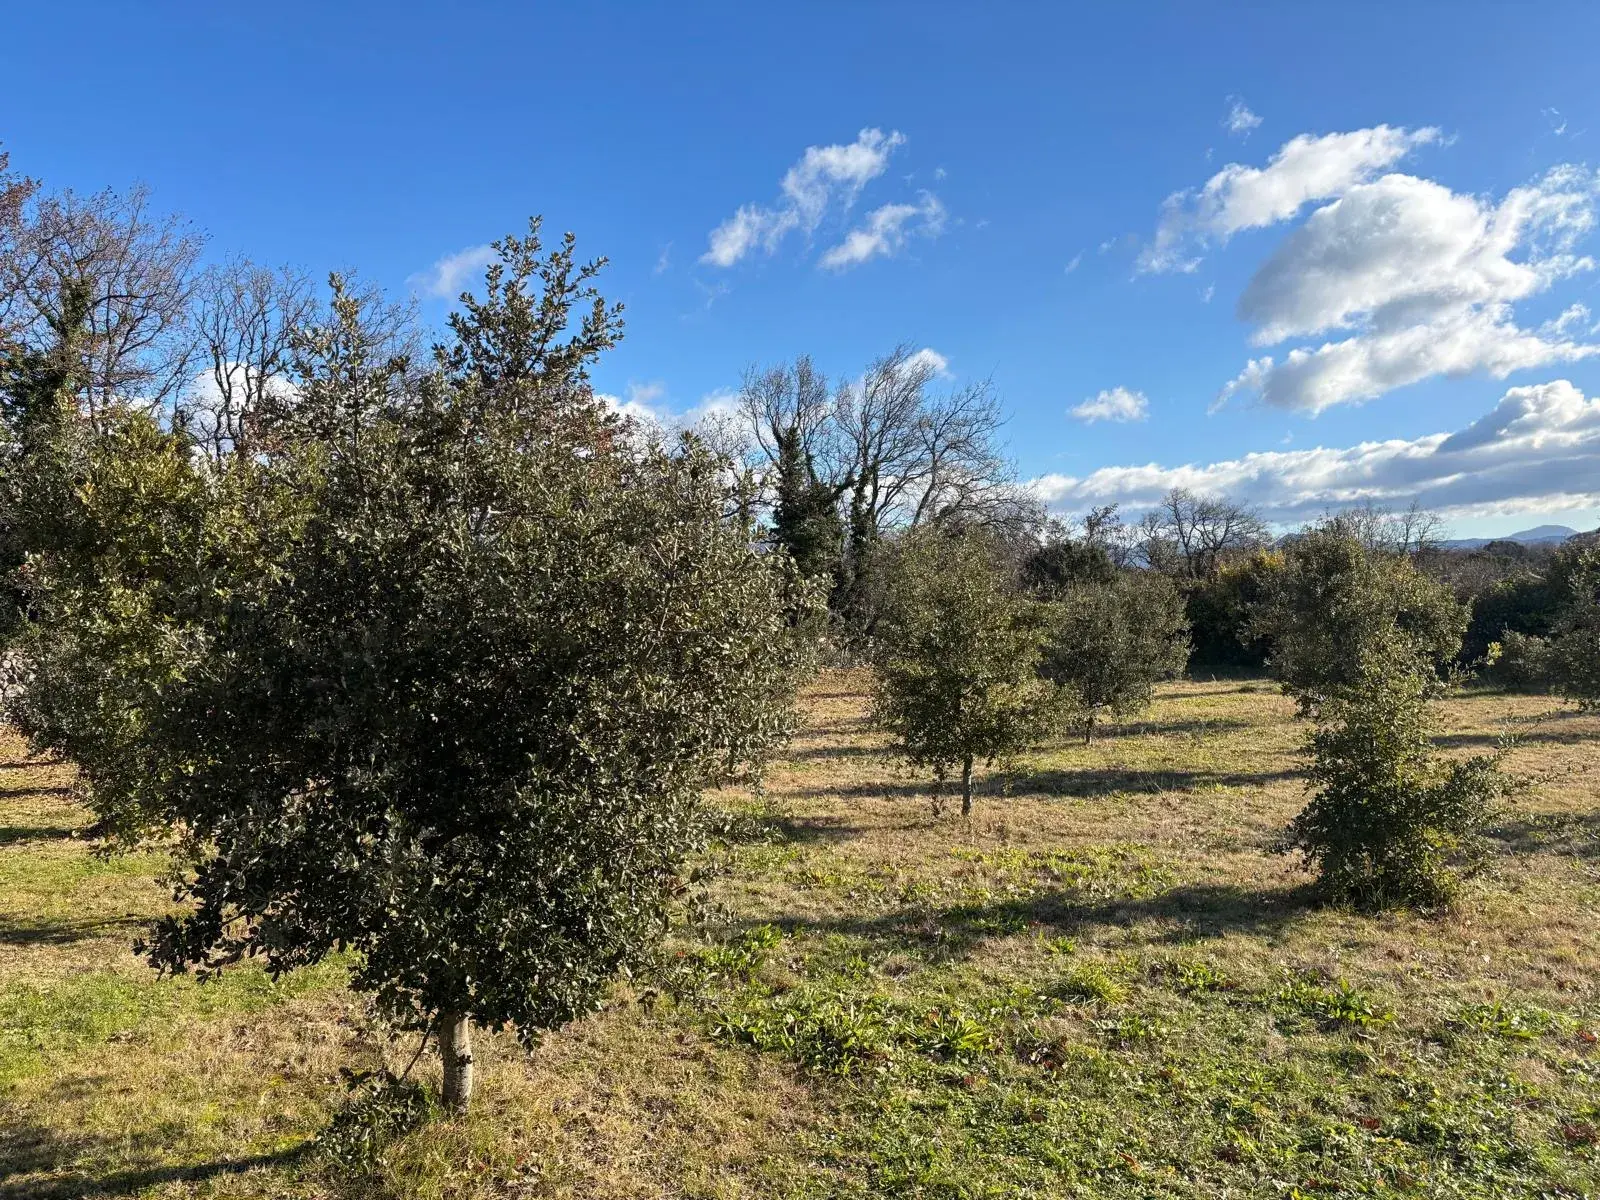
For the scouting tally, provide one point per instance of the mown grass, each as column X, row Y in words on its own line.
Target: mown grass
column 1107, row 983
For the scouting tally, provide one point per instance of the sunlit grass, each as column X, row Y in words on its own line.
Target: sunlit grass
column 1107, row 983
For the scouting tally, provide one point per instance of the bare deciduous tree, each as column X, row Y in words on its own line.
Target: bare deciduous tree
column 246, row 319
column 1192, row 535
column 138, row 272
column 891, row 451
column 1411, row 531
column 15, row 192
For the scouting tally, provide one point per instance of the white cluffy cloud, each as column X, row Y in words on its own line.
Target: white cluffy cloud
column 884, row 231
column 1240, row 120
column 827, row 178
column 1423, row 280
column 1537, row 450
column 1238, row 197
column 1113, row 404
column 448, row 277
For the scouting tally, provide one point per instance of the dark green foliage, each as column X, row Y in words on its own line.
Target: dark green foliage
column 957, row 652
column 805, row 517
column 1336, row 597
column 1567, row 658
column 41, row 451
column 1390, row 823
column 1111, row 642
column 1065, row 562
column 381, row 1107
column 1219, row 610
column 435, row 670
column 1522, row 604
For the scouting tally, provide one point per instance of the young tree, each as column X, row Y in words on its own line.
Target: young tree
column 1111, row 640
column 434, row 669
column 1334, row 596
column 1390, row 823
column 956, row 656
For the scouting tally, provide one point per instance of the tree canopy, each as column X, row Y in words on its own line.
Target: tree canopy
column 434, row 666
column 957, row 652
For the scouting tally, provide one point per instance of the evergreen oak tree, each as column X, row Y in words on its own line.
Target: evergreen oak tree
column 1111, row 640
column 434, row 667
column 957, row 650
column 1334, row 596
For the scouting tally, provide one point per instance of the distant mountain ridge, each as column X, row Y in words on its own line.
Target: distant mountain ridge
column 1538, row 535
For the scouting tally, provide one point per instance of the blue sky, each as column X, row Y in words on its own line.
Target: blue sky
column 990, row 182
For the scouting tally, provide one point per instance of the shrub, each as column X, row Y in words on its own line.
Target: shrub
column 1219, row 611
column 1389, row 823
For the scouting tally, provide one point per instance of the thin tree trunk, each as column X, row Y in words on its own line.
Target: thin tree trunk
column 455, row 1047
column 966, row 787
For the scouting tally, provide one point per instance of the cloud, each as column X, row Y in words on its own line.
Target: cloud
column 936, row 363
column 823, row 177
column 1077, row 261
column 641, row 402
column 1537, row 450
column 885, row 231
column 647, row 404
column 1240, row 120
column 448, row 277
column 1425, row 279
column 1113, row 404
column 1238, row 197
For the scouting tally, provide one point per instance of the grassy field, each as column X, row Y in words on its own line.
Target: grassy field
column 1105, row 984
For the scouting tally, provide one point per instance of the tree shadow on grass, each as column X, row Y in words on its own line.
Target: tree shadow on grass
column 65, row 933
column 51, row 1157
column 919, row 789
column 1193, row 726
column 12, row 793
column 1090, row 781
column 1177, row 916
column 1488, row 741
column 834, row 753
column 10, row 834
column 1574, row 834
column 783, row 829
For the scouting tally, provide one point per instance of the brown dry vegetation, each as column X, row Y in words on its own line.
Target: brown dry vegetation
column 1108, row 983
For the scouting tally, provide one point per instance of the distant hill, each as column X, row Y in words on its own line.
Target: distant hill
column 1538, row 535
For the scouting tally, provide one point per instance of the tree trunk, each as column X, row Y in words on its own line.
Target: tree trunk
column 966, row 787
column 455, row 1048
column 1088, row 730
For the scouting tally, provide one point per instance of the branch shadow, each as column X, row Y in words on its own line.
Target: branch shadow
column 51, row 1156
column 64, row 933
column 1573, row 834
column 10, row 834
column 11, row 793
column 1488, row 741
column 831, row 753
column 1088, row 781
